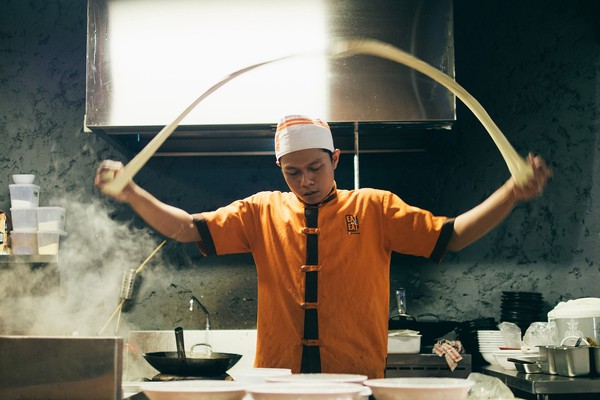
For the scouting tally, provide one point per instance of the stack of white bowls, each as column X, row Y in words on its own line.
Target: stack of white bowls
column 490, row 342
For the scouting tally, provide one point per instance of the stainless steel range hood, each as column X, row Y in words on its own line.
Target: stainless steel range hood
column 149, row 59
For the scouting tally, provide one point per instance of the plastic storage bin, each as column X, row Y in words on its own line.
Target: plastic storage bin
column 48, row 241
column 51, row 218
column 404, row 343
column 24, row 196
column 24, row 242
column 24, row 218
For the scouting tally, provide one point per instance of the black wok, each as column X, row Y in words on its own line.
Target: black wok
column 181, row 364
column 168, row 362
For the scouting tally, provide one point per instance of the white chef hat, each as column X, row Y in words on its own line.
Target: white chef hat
column 299, row 132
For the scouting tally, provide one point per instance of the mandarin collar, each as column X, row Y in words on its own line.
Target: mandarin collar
column 332, row 195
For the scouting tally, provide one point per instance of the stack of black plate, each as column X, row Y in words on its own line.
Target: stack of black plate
column 521, row 308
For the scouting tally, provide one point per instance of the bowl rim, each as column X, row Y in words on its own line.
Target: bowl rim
column 196, row 386
column 318, row 377
column 306, row 387
column 420, row 383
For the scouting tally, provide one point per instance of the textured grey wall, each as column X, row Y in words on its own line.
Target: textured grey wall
column 535, row 69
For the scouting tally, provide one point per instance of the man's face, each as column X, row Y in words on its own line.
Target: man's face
column 309, row 173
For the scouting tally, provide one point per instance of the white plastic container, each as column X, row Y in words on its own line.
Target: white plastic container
column 48, row 241
column 24, row 195
column 51, row 218
column 579, row 318
column 24, row 218
column 24, row 242
column 404, row 344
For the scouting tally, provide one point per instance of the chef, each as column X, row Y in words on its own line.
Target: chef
column 323, row 254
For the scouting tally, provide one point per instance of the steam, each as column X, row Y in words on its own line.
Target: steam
column 79, row 293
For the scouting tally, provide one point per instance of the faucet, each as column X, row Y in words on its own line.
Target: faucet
column 194, row 299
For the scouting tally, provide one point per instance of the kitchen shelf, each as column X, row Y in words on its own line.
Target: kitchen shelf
column 28, row 259
column 547, row 387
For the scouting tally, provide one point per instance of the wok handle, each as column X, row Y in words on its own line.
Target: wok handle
column 180, row 344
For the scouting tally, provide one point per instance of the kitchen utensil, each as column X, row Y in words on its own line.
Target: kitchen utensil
column 51, row 218
column 181, row 363
column 24, row 242
column 420, row 388
column 24, row 195
column 572, row 361
column 257, row 375
column 580, row 317
column 407, row 342
column 401, row 301
column 547, row 362
column 527, row 366
column 180, row 344
column 119, row 308
column 49, row 241
column 24, row 218
column 502, row 356
column 307, row 391
column 194, row 390
column 168, row 362
column 489, row 357
column 596, row 358
column 320, row 378
column 21, row 179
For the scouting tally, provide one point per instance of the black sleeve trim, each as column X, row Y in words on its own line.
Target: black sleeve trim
column 443, row 240
column 207, row 241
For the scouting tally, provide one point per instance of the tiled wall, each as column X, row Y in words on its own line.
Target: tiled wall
column 535, row 69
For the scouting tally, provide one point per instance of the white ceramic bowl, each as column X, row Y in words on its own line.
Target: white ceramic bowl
column 23, row 178
column 320, row 378
column 420, row 388
column 489, row 357
column 307, row 391
column 195, row 390
column 257, row 375
column 502, row 356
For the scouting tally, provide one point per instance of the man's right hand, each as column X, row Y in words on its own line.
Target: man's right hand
column 105, row 173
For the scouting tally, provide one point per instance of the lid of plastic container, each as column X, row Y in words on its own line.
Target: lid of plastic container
column 24, row 231
column 578, row 308
column 24, row 185
column 61, row 233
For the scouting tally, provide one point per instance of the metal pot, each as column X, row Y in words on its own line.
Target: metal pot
column 586, row 326
column 181, row 363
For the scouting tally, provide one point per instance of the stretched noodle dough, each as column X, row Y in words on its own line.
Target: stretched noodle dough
column 518, row 167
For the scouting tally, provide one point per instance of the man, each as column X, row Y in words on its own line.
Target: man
column 322, row 254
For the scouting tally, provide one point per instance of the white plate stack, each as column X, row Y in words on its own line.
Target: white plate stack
column 490, row 342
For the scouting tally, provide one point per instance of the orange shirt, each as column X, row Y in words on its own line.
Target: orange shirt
column 359, row 229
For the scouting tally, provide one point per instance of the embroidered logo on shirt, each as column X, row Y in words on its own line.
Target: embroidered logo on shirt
column 352, row 224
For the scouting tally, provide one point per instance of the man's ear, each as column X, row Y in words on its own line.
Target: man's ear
column 336, row 157
column 278, row 163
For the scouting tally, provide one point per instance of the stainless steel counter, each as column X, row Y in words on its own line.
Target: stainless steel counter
column 546, row 387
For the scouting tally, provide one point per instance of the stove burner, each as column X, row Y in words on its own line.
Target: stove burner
column 168, row 377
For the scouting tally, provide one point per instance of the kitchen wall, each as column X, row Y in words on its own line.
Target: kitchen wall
column 536, row 69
